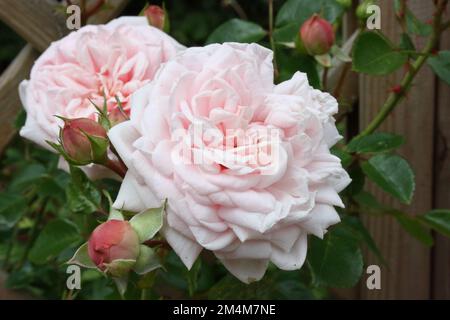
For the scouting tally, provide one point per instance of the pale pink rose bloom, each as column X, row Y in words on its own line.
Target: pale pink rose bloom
column 117, row 58
column 248, row 214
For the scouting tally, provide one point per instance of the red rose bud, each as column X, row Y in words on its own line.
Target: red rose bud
column 111, row 243
column 84, row 141
column 317, row 35
column 156, row 17
column 117, row 116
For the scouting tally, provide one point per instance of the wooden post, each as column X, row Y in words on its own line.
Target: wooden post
column 441, row 251
column 408, row 275
column 18, row 70
column 36, row 21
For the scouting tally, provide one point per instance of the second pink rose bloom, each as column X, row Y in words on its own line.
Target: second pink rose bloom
column 114, row 60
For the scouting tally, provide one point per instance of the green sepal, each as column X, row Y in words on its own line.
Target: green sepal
column 148, row 222
column 119, row 268
column 147, row 261
column 81, row 258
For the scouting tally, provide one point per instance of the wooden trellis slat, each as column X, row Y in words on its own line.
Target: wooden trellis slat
column 18, row 70
column 408, row 274
column 441, row 252
column 36, row 21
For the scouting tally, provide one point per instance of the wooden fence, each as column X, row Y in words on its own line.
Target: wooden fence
column 414, row 272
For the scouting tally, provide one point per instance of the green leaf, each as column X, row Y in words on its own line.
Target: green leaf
column 231, row 288
column 81, row 257
column 375, row 142
column 192, row 276
column 358, row 180
column 416, row 26
column 391, row 173
column 356, row 225
column 346, row 158
column 374, row 54
column 439, row 220
column 56, row 236
column 413, row 24
column 441, row 65
column 28, row 175
column 286, row 34
column 147, row 261
column 406, row 43
column 147, row 223
column 82, row 195
column 237, row 30
column 335, row 261
column 275, row 285
column 414, row 227
column 298, row 11
column 368, row 201
column 290, row 62
column 12, row 208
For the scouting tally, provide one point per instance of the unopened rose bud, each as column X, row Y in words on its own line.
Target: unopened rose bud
column 84, row 141
column 157, row 17
column 113, row 242
column 361, row 11
column 317, row 35
column 345, row 3
column 117, row 116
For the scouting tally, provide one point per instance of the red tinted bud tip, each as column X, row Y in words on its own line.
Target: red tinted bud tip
column 111, row 241
column 156, row 16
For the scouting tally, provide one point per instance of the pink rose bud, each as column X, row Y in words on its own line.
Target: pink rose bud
column 117, row 116
column 317, row 35
column 156, row 16
column 111, row 241
column 84, row 141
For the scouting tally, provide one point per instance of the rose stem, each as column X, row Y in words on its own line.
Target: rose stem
column 395, row 97
column 272, row 41
column 116, row 166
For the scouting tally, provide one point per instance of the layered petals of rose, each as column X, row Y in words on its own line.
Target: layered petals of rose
column 112, row 60
column 245, row 164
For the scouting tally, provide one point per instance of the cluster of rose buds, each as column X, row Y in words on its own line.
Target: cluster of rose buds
column 317, row 35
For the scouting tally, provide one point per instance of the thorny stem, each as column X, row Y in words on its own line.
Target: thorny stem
column 10, row 246
column 93, row 10
column 237, row 8
column 401, row 15
column 395, row 97
column 341, row 80
column 33, row 233
column 83, row 12
column 325, row 78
